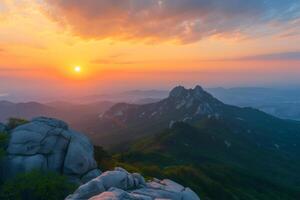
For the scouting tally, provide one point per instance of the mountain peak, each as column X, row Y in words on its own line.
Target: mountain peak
column 198, row 89
column 197, row 92
column 178, row 91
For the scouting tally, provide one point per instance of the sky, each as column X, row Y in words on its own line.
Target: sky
column 146, row 44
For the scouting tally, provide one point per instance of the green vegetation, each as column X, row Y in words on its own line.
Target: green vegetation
column 36, row 185
column 104, row 160
column 197, row 156
column 3, row 140
column 15, row 122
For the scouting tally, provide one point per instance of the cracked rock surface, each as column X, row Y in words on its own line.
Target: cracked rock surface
column 122, row 185
column 49, row 145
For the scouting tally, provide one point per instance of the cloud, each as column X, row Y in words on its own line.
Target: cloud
column 4, row 94
column 291, row 56
column 116, row 62
column 183, row 20
column 17, row 69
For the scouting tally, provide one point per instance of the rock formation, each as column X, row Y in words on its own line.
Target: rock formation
column 49, row 145
column 122, row 185
column 2, row 128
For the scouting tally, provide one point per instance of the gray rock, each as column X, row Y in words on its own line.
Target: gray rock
column 90, row 175
column 114, row 194
column 48, row 144
column 79, row 155
column 122, row 185
column 2, row 128
column 90, row 189
column 159, row 193
column 119, row 178
column 188, row 194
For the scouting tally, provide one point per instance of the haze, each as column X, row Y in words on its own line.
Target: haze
column 129, row 44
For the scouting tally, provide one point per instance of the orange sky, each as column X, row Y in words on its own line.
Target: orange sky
column 41, row 41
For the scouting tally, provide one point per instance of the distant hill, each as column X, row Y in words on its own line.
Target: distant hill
column 283, row 103
column 75, row 114
column 21, row 110
column 130, row 96
column 126, row 122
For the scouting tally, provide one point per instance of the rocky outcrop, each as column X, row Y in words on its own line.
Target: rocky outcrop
column 49, row 145
column 2, row 128
column 122, row 185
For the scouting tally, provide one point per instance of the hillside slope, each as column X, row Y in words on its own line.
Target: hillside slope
column 216, row 163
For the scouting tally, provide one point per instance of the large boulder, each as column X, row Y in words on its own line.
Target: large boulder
column 49, row 145
column 122, row 185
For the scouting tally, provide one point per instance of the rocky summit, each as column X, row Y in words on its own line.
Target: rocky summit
column 48, row 144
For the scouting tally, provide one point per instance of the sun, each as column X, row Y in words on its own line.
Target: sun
column 77, row 69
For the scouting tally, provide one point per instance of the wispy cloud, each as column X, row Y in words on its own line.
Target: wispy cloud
column 17, row 69
column 275, row 56
column 116, row 62
column 183, row 20
column 4, row 94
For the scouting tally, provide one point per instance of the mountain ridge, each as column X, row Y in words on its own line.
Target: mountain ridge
column 187, row 105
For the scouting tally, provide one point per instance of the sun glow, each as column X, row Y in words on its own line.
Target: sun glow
column 77, row 69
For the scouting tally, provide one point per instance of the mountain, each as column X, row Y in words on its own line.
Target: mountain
column 283, row 103
column 220, row 151
column 28, row 109
column 127, row 122
column 147, row 100
column 219, row 163
column 75, row 114
column 130, row 96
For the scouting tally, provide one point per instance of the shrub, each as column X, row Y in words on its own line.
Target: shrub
column 15, row 122
column 36, row 185
column 104, row 160
column 3, row 140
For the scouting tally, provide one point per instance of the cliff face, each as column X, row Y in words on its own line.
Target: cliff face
column 48, row 144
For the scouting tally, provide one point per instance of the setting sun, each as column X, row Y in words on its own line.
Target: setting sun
column 77, row 69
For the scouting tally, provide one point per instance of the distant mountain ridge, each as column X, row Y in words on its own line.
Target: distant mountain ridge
column 283, row 103
column 28, row 109
column 127, row 122
column 75, row 114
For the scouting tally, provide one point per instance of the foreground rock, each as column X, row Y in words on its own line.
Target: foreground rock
column 2, row 128
column 49, row 145
column 121, row 185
